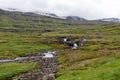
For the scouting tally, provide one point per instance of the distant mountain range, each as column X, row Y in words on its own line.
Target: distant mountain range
column 77, row 18
column 49, row 14
column 61, row 17
column 15, row 20
column 110, row 19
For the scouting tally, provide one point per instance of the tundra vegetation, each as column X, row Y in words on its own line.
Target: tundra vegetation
column 98, row 59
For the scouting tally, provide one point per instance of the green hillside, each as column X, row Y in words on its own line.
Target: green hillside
column 14, row 21
column 25, row 33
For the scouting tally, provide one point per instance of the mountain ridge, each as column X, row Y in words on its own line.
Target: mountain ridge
column 53, row 15
column 16, row 21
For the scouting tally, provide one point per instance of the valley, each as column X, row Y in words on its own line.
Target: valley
column 25, row 34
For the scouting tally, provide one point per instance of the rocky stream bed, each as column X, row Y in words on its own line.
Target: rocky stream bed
column 47, row 66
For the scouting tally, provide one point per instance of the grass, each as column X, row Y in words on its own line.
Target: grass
column 109, row 70
column 98, row 59
column 9, row 70
column 14, row 45
column 14, row 50
column 21, row 35
column 93, row 47
column 74, row 64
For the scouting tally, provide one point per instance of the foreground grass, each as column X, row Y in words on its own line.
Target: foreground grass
column 9, row 70
column 105, row 70
column 98, row 59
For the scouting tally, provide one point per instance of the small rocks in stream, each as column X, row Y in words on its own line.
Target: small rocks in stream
column 49, row 77
column 75, row 44
column 47, row 69
column 49, row 55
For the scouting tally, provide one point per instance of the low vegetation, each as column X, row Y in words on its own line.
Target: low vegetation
column 98, row 59
column 9, row 70
column 103, row 70
column 14, row 45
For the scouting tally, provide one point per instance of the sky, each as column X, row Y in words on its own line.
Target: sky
column 89, row 9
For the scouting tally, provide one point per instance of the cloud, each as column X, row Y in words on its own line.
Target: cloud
column 90, row 9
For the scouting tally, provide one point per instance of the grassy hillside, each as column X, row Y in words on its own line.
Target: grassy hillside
column 30, row 22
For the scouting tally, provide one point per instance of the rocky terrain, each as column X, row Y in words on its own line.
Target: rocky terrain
column 46, row 69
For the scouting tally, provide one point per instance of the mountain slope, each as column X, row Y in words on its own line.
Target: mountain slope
column 15, row 21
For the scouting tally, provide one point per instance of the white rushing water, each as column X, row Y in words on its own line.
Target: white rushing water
column 65, row 40
column 21, row 58
column 75, row 46
column 49, row 55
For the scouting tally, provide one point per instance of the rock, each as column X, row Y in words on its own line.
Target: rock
column 46, row 71
column 49, row 77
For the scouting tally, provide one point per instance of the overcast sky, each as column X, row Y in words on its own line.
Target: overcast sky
column 90, row 9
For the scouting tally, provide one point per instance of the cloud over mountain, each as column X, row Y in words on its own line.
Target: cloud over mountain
column 90, row 9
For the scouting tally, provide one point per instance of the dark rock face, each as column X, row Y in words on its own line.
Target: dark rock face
column 64, row 39
column 69, row 44
column 68, row 41
column 1, row 11
column 74, row 18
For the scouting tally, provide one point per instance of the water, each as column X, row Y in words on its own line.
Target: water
column 81, row 44
column 3, row 61
column 84, row 39
column 64, row 40
column 75, row 46
column 21, row 58
column 49, row 55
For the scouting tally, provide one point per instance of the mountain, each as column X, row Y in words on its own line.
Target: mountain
column 14, row 20
column 18, row 21
column 46, row 14
column 111, row 19
column 74, row 18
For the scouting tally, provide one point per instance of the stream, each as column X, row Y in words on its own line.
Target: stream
column 46, row 70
